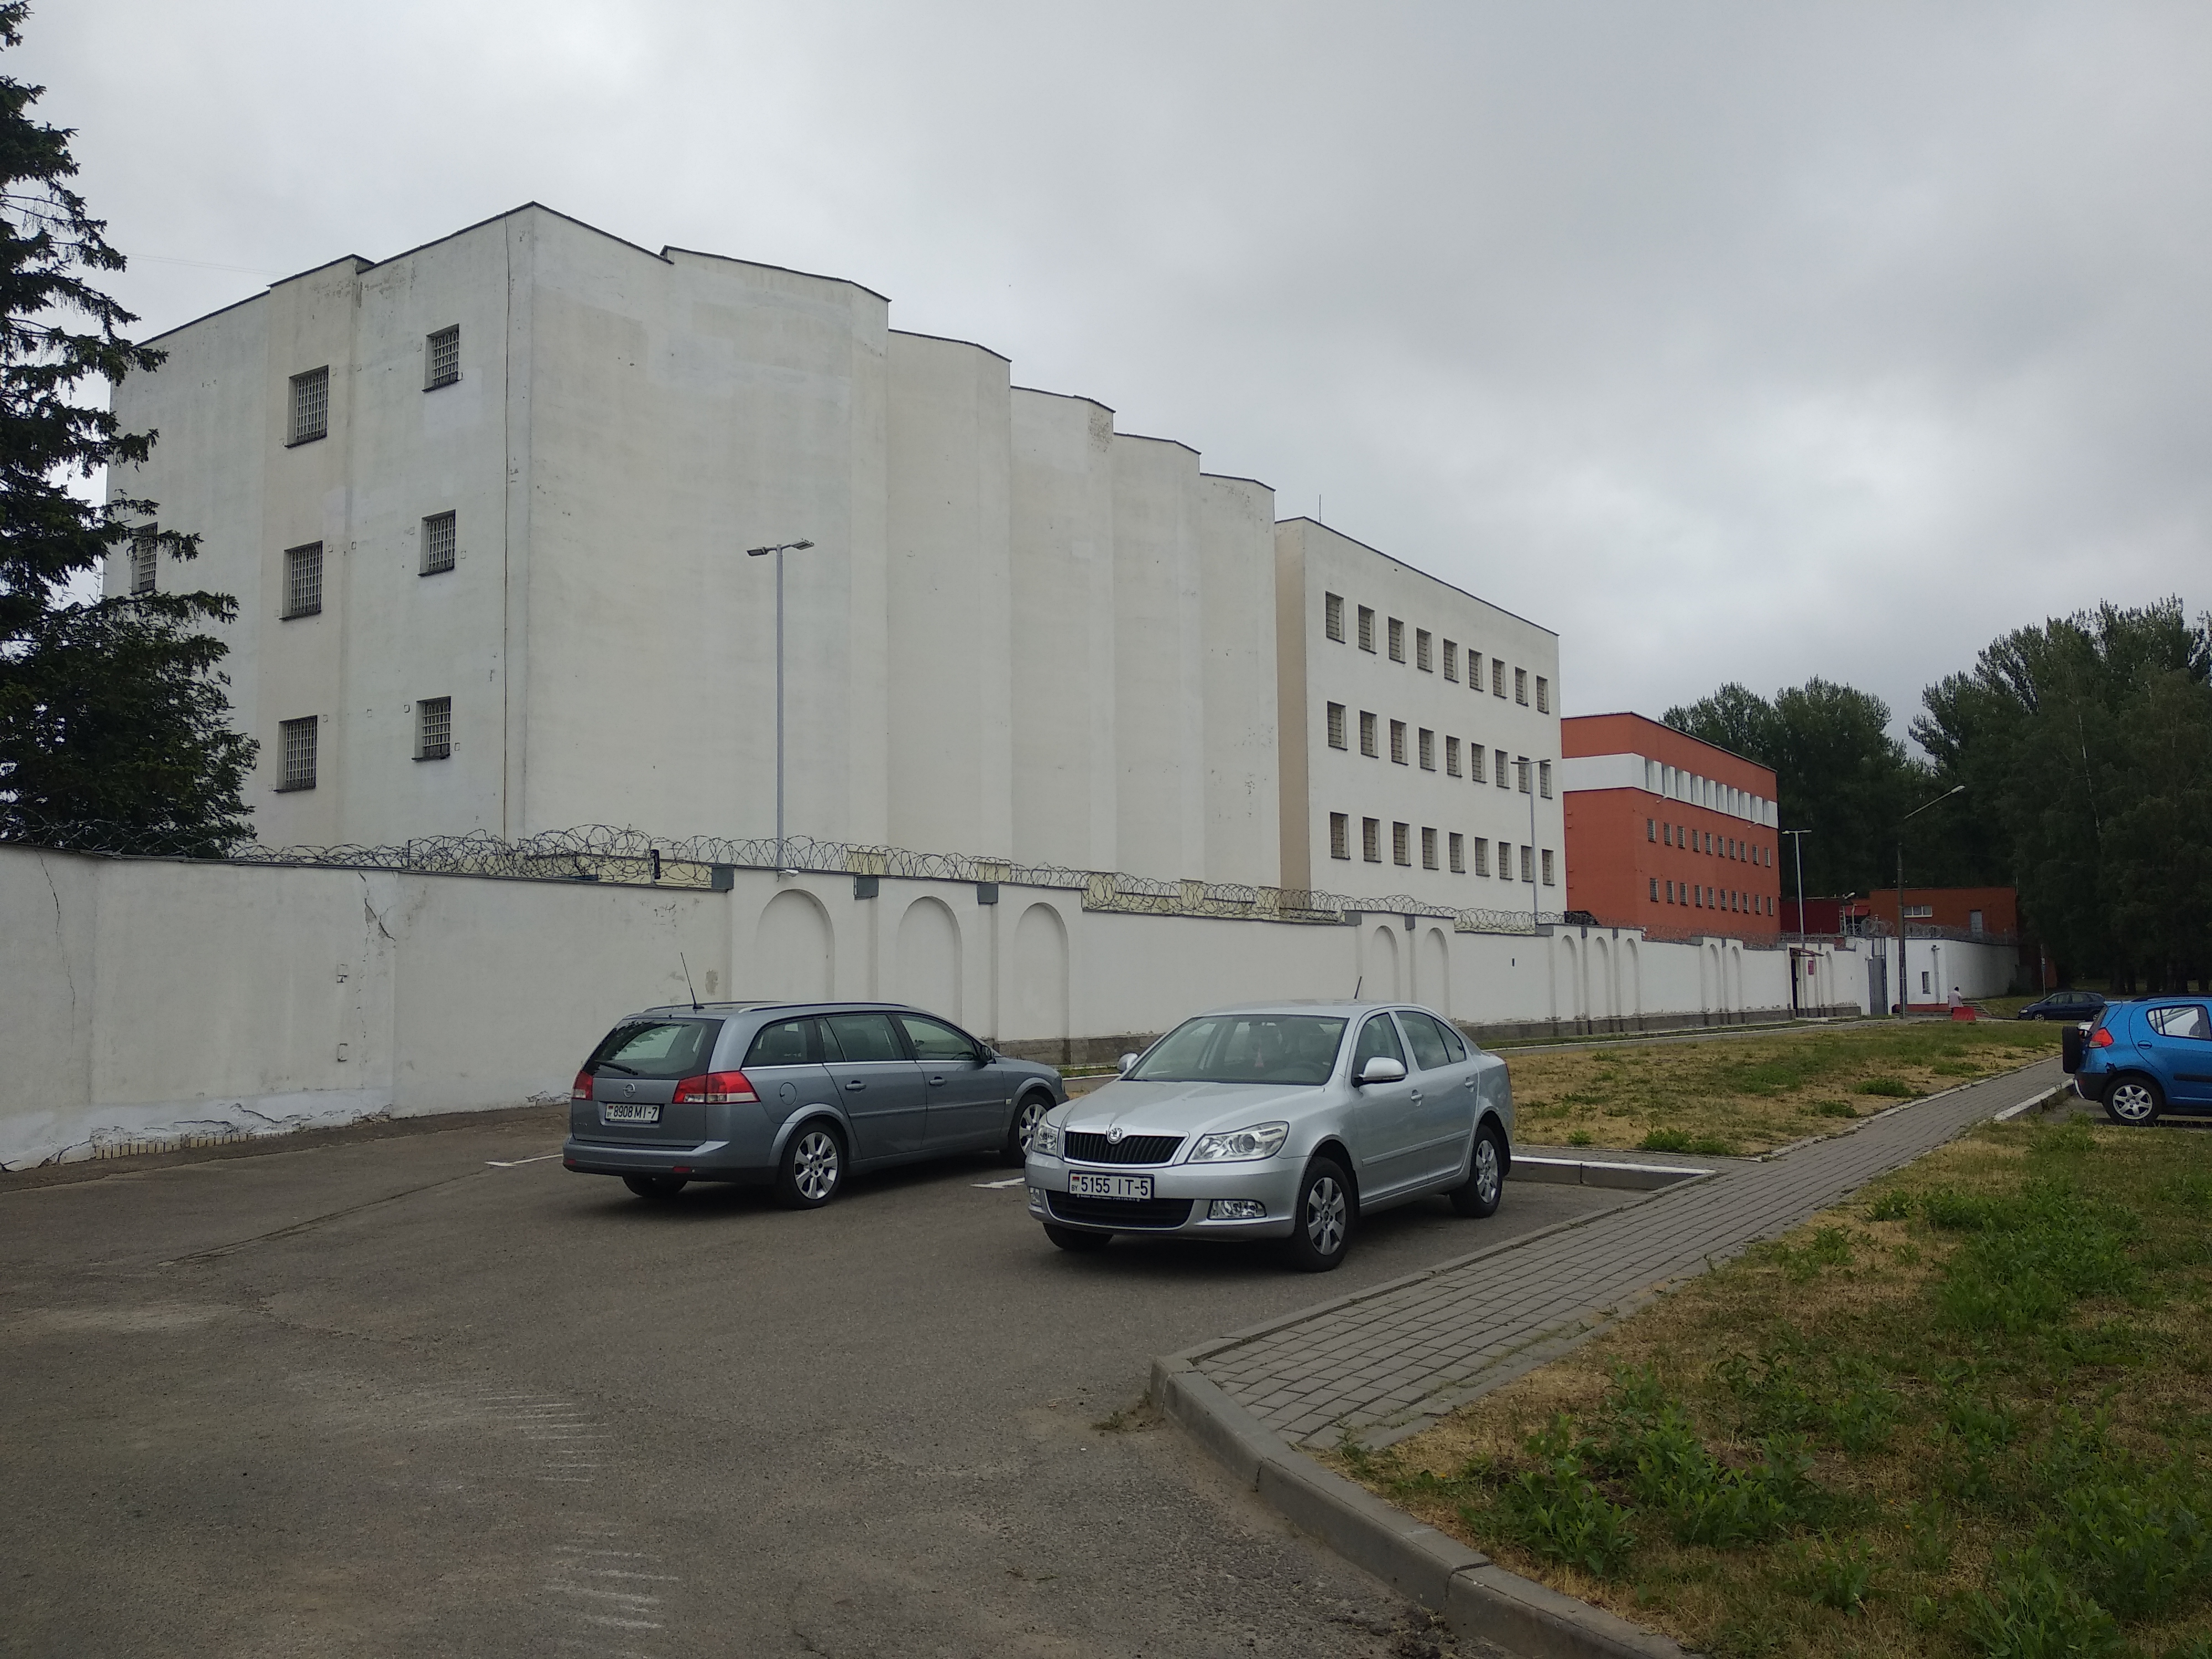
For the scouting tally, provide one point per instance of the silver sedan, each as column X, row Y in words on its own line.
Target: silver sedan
column 1288, row 1122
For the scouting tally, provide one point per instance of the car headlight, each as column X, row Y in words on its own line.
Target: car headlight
column 1237, row 1145
column 1046, row 1140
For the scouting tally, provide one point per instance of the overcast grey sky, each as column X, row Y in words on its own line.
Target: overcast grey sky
column 1732, row 340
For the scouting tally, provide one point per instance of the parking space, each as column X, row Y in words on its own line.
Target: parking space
column 434, row 1393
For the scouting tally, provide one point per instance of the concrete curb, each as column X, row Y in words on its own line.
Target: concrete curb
column 1476, row 1597
column 1593, row 1172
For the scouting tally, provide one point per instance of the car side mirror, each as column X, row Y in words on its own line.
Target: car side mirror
column 1127, row 1061
column 1382, row 1069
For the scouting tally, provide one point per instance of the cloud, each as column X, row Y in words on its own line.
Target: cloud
column 1733, row 342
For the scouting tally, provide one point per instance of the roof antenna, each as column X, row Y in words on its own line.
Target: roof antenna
column 1356, row 984
column 687, row 982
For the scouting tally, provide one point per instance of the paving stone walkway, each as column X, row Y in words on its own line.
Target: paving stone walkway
column 1383, row 1364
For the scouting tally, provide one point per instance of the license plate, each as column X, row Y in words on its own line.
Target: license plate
column 629, row 1111
column 1109, row 1186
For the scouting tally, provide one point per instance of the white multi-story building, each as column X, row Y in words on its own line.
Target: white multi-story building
column 484, row 508
column 1421, row 733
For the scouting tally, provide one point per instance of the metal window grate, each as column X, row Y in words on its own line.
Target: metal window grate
column 1548, row 881
column 1496, row 677
column 1397, row 641
column 1428, row 750
column 1544, row 779
column 1451, row 757
column 1458, row 853
column 1398, row 741
column 441, row 354
column 297, row 745
column 1332, row 610
column 1336, row 725
column 1366, row 629
column 1451, row 661
column 310, row 406
column 439, row 536
column 1340, row 836
column 434, row 727
column 1422, row 659
column 1482, row 855
column 303, row 579
column 1503, row 766
column 1543, row 695
column 1528, row 865
column 1428, row 849
column 1521, row 686
column 1401, row 844
column 1367, row 735
column 1371, row 840
column 142, row 549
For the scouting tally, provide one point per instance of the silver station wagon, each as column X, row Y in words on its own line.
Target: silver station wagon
column 796, row 1096
column 1282, row 1122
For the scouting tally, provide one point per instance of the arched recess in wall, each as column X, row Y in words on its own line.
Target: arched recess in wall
column 1381, row 975
column 1567, row 976
column 1704, row 978
column 1631, row 978
column 794, row 954
column 1434, row 978
column 1040, row 999
column 928, row 971
column 1601, row 973
column 1735, row 976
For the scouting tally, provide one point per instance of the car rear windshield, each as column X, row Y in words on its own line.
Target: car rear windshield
column 1289, row 1048
column 656, row 1048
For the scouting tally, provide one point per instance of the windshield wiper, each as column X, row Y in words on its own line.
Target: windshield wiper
column 617, row 1065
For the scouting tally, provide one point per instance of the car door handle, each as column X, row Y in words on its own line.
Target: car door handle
column 1416, row 1095
column 856, row 1084
column 935, row 1081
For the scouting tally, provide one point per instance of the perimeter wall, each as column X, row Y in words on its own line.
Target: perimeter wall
column 146, row 1003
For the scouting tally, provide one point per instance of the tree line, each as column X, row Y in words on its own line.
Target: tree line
column 2085, row 746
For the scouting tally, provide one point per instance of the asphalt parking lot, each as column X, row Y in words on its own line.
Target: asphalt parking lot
column 423, row 1395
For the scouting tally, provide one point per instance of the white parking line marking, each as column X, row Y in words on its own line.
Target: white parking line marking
column 993, row 1186
column 517, row 1162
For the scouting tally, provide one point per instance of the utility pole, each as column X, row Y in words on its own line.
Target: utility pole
column 779, row 550
column 1797, row 850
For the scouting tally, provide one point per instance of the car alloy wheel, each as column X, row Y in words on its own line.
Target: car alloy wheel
column 2132, row 1100
column 1021, row 1135
column 1322, row 1221
column 813, row 1166
column 1486, row 1176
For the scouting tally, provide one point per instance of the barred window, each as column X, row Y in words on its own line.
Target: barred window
column 1366, row 629
column 1548, row 881
column 1371, row 840
column 1332, row 615
column 1650, row 828
column 297, row 745
column 1544, row 779
column 1521, row 686
column 1503, row 766
column 1398, row 741
column 1496, row 677
column 1428, row 849
column 1428, row 750
column 1401, row 844
column 1473, row 670
column 1524, row 781
column 144, row 547
column 1421, row 660
column 1451, row 757
column 303, row 579
column 1458, row 847
column 1482, row 855
column 433, row 728
column 1340, row 836
column 1543, row 695
column 1654, row 890
column 1397, row 641
column 1336, row 725
column 441, row 534
column 310, row 406
column 1528, row 865
column 441, row 358
column 1367, row 735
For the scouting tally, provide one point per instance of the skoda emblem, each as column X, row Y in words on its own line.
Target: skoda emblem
column 1113, row 1136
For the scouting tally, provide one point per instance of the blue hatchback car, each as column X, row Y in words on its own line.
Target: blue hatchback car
column 2140, row 1058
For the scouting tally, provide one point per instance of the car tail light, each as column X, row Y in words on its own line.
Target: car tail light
column 2100, row 1038
column 715, row 1089
column 581, row 1089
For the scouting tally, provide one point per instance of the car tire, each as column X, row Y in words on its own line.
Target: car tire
column 1321, row 1218
column 2133, row 1099
column 1077, row 1239
column 811, row 1170
column 655, row 1187
column 1485, row 1186
column 1027, row 1112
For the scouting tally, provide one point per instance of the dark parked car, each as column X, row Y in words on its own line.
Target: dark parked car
column 794, row 1095
column 2077, row 1007
column 2141, row 1058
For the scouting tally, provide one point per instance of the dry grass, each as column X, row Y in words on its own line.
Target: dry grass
column 1923, row 1508
column 1752, row 1094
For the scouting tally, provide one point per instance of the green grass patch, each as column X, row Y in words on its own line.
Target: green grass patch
column 1963, row 1414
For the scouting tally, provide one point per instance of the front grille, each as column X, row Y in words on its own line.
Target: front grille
column 1137, row 1149
column 1121, row 1212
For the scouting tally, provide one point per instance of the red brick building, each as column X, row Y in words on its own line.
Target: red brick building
column 1664, row 831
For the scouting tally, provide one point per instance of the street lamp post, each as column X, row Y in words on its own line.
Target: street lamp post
column 1797, row 850
column 779, row 550
column 1901, row 992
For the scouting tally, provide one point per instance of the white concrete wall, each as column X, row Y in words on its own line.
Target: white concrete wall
column 144, row 1003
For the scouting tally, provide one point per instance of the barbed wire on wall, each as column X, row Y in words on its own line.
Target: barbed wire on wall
column 603, row 853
